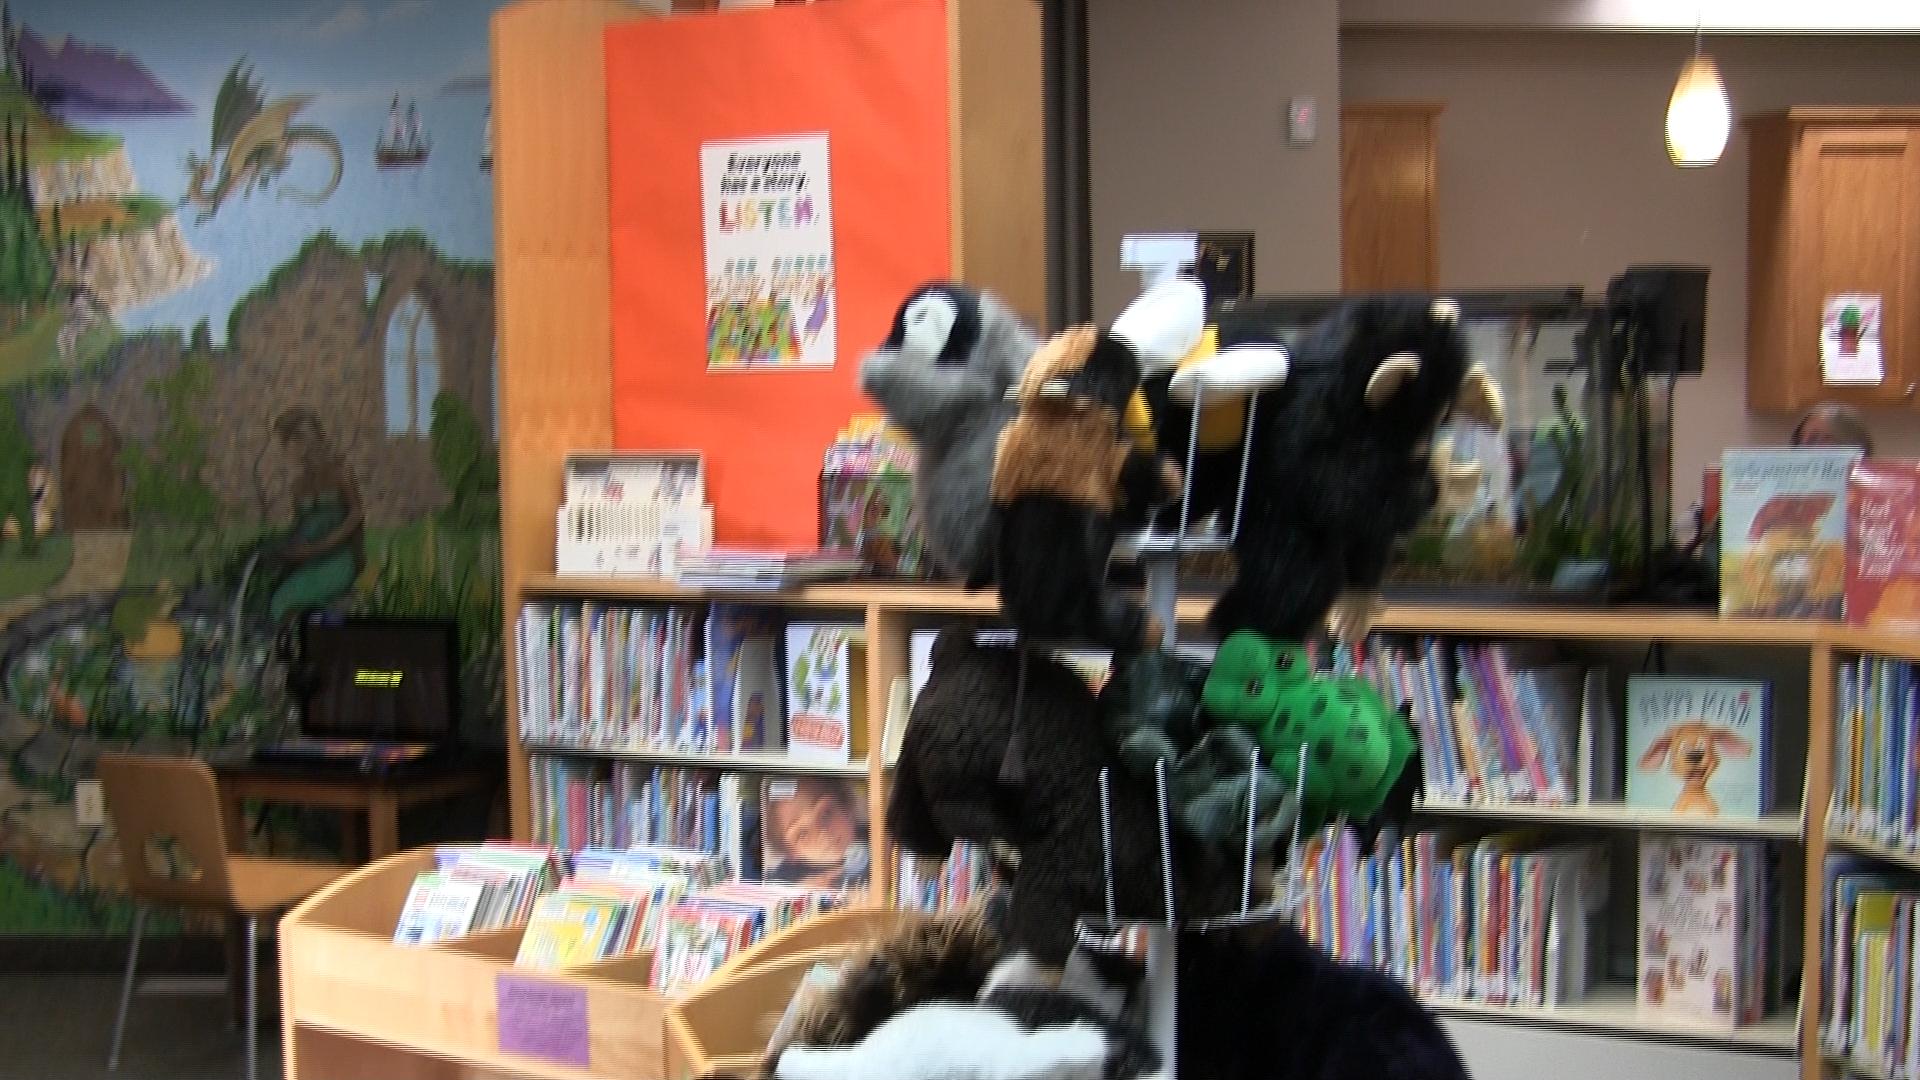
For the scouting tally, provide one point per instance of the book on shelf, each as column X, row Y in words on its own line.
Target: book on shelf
column 743, row 673
column 1876, row 750
column 474, row 888
column 814, row 832
column 1702, row 941
column 826, row 690
column 1498, row 722
column 1867, row 938
column 1783, row 532
column 1510, row 919
column 722, row 569
column 1698, row 745
column 705, row 929
column 1883, row 545
column 1598, row 755
column 571, row 927
column 438, row 907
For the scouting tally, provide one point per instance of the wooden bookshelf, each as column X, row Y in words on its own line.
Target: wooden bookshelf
column 1872, row 848
column 1781, row 826
column 356, row 1005
column 1610, row 1010
column 746, row 761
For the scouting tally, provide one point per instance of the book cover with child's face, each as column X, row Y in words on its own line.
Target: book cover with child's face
column 814, row 831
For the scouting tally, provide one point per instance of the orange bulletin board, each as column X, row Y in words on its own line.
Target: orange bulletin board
column 872, row 75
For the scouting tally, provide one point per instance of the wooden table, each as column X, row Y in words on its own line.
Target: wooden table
column 380, row 798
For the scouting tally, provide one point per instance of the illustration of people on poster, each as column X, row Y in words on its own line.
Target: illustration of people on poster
column 768, row 212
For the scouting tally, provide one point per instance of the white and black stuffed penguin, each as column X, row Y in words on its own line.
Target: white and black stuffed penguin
column 942, row 376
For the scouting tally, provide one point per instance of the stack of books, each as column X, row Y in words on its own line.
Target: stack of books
column 476, row 888
column 764, row 570
column 612, row 904
column 703, row 931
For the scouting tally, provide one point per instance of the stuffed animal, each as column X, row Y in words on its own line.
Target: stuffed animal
column 1338, row 467
column 1357, row 747
column 942, row 376
column 922, row 1003
column 952, row 782
column 1063, row 470
column 1253, row 1001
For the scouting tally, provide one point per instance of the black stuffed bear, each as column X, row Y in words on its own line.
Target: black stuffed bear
column 1339, row 467
column 952, row 782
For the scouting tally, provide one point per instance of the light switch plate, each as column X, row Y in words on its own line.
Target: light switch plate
column 1303, row 121
column 89, row 804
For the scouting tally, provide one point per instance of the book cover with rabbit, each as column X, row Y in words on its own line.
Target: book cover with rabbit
column 1697, row 745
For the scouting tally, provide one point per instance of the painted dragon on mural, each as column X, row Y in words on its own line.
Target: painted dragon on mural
column 253, row 142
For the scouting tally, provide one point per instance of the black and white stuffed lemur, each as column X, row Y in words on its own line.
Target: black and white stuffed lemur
column 942, row 376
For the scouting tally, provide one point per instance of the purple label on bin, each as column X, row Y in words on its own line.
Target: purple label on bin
column 542, row 1018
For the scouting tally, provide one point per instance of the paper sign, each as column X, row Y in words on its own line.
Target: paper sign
column 768, row 210
column 1850, row 341
column 542, row 1019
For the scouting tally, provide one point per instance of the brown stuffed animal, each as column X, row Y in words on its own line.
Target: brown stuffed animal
column 1062, row 470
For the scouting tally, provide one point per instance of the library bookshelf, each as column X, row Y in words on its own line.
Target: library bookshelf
column 356, row 1005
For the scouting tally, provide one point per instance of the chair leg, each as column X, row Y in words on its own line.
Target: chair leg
column 126, row 986
column 253, row 993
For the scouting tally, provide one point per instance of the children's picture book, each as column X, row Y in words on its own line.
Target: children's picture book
column 814, row 832
column 826, row 691
column 1783, row 532
column 1697, row 746
column 1697, row 935
column 1883, row 545
column 743, row 677
column 438, row 908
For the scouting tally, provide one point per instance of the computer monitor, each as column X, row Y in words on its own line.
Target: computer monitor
column 379, row 679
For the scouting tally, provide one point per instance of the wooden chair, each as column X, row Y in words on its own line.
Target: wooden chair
column 173, row 850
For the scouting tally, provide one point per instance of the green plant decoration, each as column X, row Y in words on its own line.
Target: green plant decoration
column 168, row 478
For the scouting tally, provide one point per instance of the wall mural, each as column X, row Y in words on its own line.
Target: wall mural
column 246, row 372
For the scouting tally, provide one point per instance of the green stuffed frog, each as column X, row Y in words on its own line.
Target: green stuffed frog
column 1359, row 744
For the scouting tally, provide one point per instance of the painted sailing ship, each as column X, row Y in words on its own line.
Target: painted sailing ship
column 403, row 143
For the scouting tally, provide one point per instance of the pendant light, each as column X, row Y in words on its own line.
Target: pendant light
column 1699, row 116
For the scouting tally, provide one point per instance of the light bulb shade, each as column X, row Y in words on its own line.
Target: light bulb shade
column 1699, row 117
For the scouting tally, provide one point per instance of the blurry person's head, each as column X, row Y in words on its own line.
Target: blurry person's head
column 1833, row 424
column 816, row 822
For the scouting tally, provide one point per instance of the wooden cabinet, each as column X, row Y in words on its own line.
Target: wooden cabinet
column 1389, row 196
column 1833, row 208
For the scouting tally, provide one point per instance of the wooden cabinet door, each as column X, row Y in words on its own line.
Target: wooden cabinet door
column 1389, row 197
column 1857, row 194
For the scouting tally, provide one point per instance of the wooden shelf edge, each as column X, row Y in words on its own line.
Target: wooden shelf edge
column 1769, row 826
column 1848, row 1065
column 1620, row 623
column 774, row 763
column 1774, row 1035
column 1861, row 845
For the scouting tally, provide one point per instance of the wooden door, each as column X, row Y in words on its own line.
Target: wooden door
column 93, row 487
column 1389, row 197
column 1858, row 205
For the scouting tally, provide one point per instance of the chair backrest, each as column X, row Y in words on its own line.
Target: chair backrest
column 166, row 812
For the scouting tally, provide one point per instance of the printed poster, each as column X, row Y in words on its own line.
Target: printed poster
column 1850, row 341
column 768, row 212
